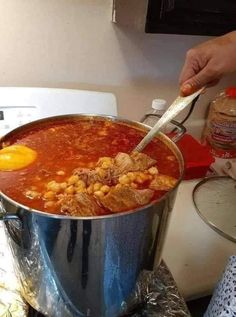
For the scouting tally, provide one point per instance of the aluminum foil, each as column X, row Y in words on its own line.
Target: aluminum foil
column 11, row 301
column 157, row 295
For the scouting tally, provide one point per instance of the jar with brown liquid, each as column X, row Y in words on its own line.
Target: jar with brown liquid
column 220, row 130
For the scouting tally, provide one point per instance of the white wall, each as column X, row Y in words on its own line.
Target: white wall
column 73, row 44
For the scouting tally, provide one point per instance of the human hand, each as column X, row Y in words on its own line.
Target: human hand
column 206, row 63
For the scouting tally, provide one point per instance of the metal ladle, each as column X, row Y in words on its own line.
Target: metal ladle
column 176, row 107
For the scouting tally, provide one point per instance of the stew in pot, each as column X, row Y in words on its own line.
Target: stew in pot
column 86, row 168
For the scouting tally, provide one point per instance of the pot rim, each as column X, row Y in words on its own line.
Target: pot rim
column 85, row 116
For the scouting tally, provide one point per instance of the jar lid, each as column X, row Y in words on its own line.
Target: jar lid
column 215, row 201
column 159, row 104
column 231, row 92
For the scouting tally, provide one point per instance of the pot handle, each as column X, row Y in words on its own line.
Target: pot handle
column 5, row 216
column 175, row 133
column 13, row 225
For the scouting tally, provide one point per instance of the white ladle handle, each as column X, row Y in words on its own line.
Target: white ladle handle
column 177, row 106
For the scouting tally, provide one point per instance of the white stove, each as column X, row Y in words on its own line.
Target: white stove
column 22, row 105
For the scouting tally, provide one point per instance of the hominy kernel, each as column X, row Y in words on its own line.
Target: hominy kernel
column 99, row 193
column 80, row 183
column 105, row 165
column 80, row 189
column 50, row 195
column 54, row 186
column 60, row 173
column 63, row 185
column 32, row 194
column 49, row 204
column 124, row 179
column 106, row 159
column 97, row 186
column 171, row 158
column 73, row 179
column 105, row 162
column 133, row 185
column 50, row 183
column 105, row 189
column 101, row 172
column 153, row 170
column 70, row 189
column 139, row 179
column 131, row 176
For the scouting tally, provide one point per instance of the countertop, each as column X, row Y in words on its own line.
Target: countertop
column 195, row 254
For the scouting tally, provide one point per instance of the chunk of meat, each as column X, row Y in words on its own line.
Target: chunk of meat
column 83, row 173
column 80, row 204
column 163, row 182
column 123, row 198
column 108, row 169
column 125, row 163
column 142, row 161
column 104, row 176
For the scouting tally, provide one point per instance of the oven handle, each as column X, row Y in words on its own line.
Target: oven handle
column 178, row 127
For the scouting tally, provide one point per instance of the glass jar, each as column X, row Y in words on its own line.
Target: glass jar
column 220, row 130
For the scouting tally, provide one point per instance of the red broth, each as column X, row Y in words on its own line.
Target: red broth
column 71, row 143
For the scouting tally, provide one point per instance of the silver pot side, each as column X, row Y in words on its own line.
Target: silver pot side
column 71, row 267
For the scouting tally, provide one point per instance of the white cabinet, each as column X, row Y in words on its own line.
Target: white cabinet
column 130, row 13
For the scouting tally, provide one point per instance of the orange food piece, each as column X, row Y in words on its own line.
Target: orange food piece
column 15, row 157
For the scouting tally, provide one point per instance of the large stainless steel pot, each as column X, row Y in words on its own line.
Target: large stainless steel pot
column 78, row 266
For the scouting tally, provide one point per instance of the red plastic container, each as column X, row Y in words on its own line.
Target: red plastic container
column 197, row 157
